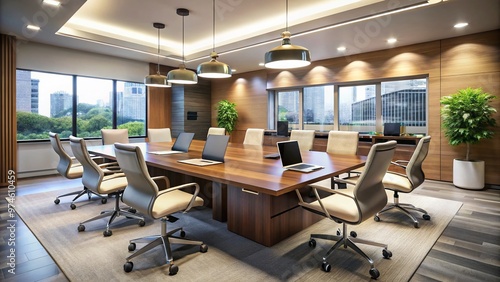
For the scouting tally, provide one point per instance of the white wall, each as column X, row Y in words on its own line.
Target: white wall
column 35, row 159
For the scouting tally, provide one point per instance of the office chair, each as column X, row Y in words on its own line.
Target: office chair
column 111, row 136
column 70, row 168
column 95, row 179
column 254, row 136
column 344, row 143
column 304, row 137
column 159, row 135
column 142, row 193
column 216, row 131
column 360, row 201
column 405, row 183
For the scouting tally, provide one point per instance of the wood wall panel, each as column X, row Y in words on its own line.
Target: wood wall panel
column 159, row 102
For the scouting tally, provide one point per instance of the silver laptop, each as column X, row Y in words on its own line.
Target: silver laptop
column 213, row 151
column 181, row 145
column 291, row 159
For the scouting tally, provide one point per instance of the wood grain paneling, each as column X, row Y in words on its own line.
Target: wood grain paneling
column 159, row 102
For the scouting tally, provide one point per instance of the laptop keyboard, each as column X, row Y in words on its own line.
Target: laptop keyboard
column 300, row 166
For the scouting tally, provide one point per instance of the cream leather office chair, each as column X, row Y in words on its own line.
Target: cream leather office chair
column 142, row 193
column 254, row 136
column 216, row 131
column 159, row 135
column 111, row 136
column 70, row 168
column 304, row 137
column 359, row 202
column 405, row 183
column 96, row 179
column 343, row 143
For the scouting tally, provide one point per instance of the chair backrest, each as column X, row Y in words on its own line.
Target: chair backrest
column 111, row 136
column 342, row 142
column 141, row 189
column 254, row 136
column 414, row 170
column 159, row 135
column 64, row 164
column 216, row 131
column 304, row 137
column 92, row 173
column 369, row 191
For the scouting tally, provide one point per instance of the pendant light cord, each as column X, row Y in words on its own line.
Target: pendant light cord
column 213, row 26
column 286, row 24
column 158, row 57
column 183, row 60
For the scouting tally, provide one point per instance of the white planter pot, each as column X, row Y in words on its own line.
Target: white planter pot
column 468, row 174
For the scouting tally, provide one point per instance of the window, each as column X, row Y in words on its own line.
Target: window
column 45, row 102
column 362, row 107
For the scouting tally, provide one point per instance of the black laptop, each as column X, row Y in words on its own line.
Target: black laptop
column 392, row 129
column 181, row 145
column 291, row 158
column 213, row 151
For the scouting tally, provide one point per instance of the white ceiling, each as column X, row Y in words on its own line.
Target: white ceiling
column 245, row 29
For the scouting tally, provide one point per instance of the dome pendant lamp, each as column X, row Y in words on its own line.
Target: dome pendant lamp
column 287, row 56
column 157, row 80
column 214, row 68
column 182, row 75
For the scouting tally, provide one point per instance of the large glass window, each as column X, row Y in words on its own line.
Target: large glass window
column 289, row 108
column 357, row 110
column 43, row 103
column 131, row 107
column 318, row 108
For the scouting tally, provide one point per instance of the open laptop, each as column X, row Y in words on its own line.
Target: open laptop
column 213, row 151
column 181, row 145
column 291, row 159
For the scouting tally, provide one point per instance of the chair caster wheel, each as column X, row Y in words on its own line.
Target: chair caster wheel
column 203, row 248
column 353, row 234
column 339, row 232
column 104, row 200
column 416, row 225
column 128, row 266
column 81, row 228
column 182, row 234
column 173, row 269
column 132, row 210
column 376, row 218
column 57, row 201
column 142, row 223
column 374, row 273
column 426, row 217
column 386, row 253
column 312, row 243
column 72, row 206
column 131, row 247
column 107, row 233
column 326, row 267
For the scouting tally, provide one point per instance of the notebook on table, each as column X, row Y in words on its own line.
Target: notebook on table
column 213, row 151
column 291, row 158
column 181, row 145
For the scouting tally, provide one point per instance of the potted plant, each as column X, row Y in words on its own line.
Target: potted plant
column 467, row 118
column 227, row 115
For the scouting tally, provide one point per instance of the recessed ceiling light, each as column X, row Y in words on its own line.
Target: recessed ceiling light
column 233, row 70
column 392, row 40
column 33, row 27
column 261, row 64
column 460, row 25
column 341, row 48
column 52, row 2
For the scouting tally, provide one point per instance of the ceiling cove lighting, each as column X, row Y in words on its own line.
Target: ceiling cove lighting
column 214, row 68
column 52, row 2
column 461, row 25
column 287, row 56
column 182, row 75
column 157, row 80
column 392, row 40
column 33, row 27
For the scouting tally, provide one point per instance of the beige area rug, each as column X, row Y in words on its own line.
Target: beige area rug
column 88, row 256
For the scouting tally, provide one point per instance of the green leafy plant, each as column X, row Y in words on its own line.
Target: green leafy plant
column 467, row 117
column 227, row 115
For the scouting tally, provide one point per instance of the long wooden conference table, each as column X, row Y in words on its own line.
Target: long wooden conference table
column 254, row 194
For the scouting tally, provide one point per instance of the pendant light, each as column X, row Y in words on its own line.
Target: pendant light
column 214, row 68
column 182, row 75
column 287, row 56
column 157, row 80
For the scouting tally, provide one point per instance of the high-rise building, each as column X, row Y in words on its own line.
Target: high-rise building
column 27, row 92
column 59, row 102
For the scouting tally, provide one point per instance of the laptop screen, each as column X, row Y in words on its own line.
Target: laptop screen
column 183, row 142
column 392, row 129
column 215, row 147
column 289, row 152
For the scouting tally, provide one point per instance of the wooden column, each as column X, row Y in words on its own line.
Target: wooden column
column 8, row 129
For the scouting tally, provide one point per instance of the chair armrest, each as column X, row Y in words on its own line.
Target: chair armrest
column 112, row 176
column 195, row 194
column 164, row 178
column 400, row 163
column 342, row 180
column 315, row 189
column 110, row 168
